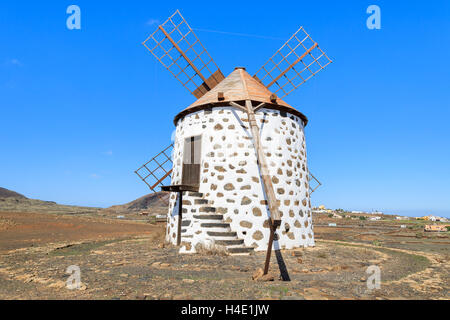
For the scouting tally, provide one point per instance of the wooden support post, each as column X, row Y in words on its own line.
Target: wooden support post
column 269, row 251
column 275, row 217
column 180, row 216
column 267, row 182
column 179, row 189
column 273, row 226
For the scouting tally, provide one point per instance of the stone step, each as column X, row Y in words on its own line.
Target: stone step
column 209, row 217
column 221, row 234
column 232, row 242
column 215, row 225
column 239, row 250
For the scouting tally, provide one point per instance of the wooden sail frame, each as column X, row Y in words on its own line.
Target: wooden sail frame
column 311, row 177
column 297, row 61
column 157, row 170
column 179, row 50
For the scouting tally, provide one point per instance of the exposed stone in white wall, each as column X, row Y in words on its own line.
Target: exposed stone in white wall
column 230, row 179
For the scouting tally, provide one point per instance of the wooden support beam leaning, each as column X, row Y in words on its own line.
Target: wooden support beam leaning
column 275, row 217
column 273, row 225
column 262, row 163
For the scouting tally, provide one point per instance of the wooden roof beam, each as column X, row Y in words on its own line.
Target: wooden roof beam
column 236, row 105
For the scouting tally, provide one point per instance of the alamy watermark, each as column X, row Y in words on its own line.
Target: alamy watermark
column 74, row 280
column 374, row 280
column 374, row 20
column 73, row 22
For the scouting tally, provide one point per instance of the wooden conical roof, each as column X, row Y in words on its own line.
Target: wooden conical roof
column 234, row 89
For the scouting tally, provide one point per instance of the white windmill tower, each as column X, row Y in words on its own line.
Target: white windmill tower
column 238, row 171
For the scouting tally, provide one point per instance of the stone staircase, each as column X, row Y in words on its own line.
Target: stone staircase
column 214, row 226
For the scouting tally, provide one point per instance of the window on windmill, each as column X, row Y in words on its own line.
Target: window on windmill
column 197, row 149
column 192, row 150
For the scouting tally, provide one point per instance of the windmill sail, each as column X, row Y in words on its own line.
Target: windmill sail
column 317, row 183
column 299, row 59
column 180, row 51
column 157, row 170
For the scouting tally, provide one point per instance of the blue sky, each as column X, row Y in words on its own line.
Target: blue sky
column 80, row 110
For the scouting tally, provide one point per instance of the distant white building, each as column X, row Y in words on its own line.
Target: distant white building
column 375, row 218
column 320, row 211
column 433, row 218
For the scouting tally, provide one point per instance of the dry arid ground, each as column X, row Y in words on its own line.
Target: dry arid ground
column 126, row 259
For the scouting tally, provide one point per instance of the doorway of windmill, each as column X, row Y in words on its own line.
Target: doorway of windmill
column 191, row 161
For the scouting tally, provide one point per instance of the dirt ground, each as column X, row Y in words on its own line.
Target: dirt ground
column 121, row 259
column 26, row 229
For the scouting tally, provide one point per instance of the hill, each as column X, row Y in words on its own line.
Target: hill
column 153, row 202
column 5, row 193
column 11, row 201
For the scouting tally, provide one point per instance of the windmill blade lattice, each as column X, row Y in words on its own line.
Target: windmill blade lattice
column 299, row 59
column 316, row 183
column 156, row 172
column 178, row 48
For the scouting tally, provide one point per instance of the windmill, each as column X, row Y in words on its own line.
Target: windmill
column 237, row 169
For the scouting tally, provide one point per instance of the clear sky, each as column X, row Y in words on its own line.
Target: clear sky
column 80, row 110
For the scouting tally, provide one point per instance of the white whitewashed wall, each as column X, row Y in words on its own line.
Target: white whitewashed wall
column 230, row 179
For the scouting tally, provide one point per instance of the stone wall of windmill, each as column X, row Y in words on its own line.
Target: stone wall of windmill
column 230, row 180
